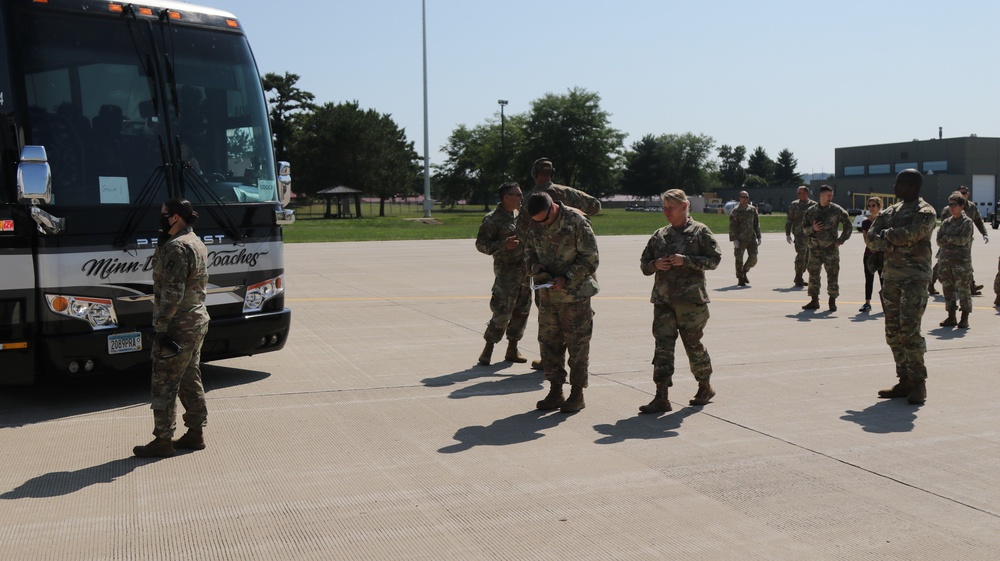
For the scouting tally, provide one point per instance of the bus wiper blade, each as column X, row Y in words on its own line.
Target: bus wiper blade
column 142, row 204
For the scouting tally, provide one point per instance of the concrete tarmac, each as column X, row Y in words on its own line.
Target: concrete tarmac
column 375, row 434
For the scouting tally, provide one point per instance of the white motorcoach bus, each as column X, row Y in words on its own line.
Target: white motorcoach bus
column 108, row 110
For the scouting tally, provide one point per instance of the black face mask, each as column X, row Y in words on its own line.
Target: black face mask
column 164, row 228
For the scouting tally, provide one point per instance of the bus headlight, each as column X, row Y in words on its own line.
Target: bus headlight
column 98, row 312
column 258, row 294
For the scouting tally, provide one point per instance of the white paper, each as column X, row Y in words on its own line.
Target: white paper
column 114, row 190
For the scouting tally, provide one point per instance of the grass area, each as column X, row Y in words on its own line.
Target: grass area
column 408, row 224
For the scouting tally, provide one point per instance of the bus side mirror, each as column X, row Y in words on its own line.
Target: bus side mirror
column 284, row 183
column 34, row 177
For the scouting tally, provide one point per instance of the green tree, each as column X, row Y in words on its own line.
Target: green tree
column 288, row 103
column 688, row 161
column 575, row 133
column 644, row 175
column 460, row 177
column 784, row 169
column 761, row 165
column 668, row 161
column 363, row 149
column 731, row 172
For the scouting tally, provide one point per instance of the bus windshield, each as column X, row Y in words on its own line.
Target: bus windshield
column 91, row 99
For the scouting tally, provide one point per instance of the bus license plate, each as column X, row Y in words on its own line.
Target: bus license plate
column 124, row 343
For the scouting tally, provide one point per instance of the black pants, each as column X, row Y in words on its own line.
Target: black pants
column 870, row 278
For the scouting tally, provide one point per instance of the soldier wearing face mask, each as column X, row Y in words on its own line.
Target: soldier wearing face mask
column 180, row 322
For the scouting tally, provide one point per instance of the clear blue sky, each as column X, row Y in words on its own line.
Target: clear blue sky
column 807, row 76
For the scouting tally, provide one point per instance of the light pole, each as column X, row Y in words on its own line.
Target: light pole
column 503, row 148
column 428, row 204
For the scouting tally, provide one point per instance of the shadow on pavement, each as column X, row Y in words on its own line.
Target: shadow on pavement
column 20, row 406
column 65, row 482
column 886, row 416
column 523, row 427
column 809, row 315
column 644, row 427
column 477, row 371
column 790, row 289
column 521, row 383
column 731, row 288
column 867, row 316
column 948, row 333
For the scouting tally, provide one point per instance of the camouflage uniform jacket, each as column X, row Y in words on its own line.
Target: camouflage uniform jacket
column 796, row 212
column 560, row 194
column 180, row 274
column 566, row 248
column 972, row 211
column 831, row 216
column 903, row 233
column 570, row 196
column 685, row 283
column 492, row 236
column 954, row 239
column 744, row 224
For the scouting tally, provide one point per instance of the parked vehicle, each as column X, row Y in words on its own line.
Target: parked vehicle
column 111, row 109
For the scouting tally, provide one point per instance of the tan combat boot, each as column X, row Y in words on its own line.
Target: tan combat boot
column 813, row 304
column 660, row 402
column 553, row 400
column 158, row 448
column 487, row 354
column 918, row 392
column 963, row 323
column 575, row 401
column 950, row 321
column 704, row 395
column 901, row 389
column 512, row 354
column 193, row 439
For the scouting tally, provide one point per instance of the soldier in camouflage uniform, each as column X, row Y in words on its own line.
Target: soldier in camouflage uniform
column 819, row 223
column 954, row 239
column 903, row 233
column 511, row 300
column 679, row 254
column 560, row 249
column 744, row 232
column 180, row 322
column 542, row 172
column 972, row 211
column 793, row 227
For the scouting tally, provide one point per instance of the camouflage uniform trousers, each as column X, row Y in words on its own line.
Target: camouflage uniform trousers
column 956, row 285
column 750, row 248
column 801, row 255
column 176, row 377
column 511, row 305
column 689, row 321
column 904, row 303
column 565, row 326
column 829, row 258
column 936, row 276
